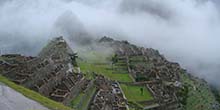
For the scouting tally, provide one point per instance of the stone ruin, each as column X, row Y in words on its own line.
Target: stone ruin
column 148, row 67
column 50, row 73
column 109, row 96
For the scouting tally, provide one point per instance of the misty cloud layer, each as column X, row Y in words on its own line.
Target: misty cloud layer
column 185, row 31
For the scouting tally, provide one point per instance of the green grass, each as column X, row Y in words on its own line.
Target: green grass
column 34, row 95
column 106, row 70
column 100, row 63
column 84, row 99
column 199, row 96
column 135, row 105
column 133, row 93
column 76, row 100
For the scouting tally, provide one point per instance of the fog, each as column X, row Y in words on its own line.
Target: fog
column 185, row 31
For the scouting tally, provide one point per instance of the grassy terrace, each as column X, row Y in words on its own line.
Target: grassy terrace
column 99, row 63
column 76, row 100
column 81, row 102
column 34, row 95
column 106, row 70
column 133, row 93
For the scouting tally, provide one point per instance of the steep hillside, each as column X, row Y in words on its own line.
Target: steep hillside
column 199, row 95
column 110, row 75
column 170, row 85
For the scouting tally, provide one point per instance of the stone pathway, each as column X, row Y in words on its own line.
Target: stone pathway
column 12, row 100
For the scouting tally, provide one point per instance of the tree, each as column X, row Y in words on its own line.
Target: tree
column 73, row 58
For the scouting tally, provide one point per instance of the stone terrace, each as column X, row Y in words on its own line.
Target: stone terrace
column 109, row 96
column 148, row 67
column 50, row 73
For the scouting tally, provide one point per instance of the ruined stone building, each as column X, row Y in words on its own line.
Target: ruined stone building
column 109, row 96
column 148, row 67
column 54, row 74
column 50, row 73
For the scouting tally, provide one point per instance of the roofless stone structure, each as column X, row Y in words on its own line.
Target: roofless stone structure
column 50, row 73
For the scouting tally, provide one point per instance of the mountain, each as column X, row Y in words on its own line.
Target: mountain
column 110, row 75
column 172, row 86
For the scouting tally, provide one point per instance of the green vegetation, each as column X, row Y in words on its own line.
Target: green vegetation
column 81, row 102
column 76, row 100
column 199, row 95
column 217, row 95
column 114, row 68
column 141, row 77
column 218, row 98
column 106, row 70
column 34, row 95
column 135, row 106
column 134, row 94
column 86, row 99
column 216, row 92
column 73, row 57
column 114, row 59
column 100, row 62
column 183, row 93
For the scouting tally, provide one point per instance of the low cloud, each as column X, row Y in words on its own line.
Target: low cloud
column 185, row 31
